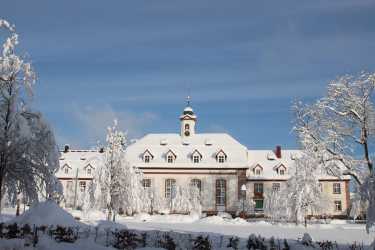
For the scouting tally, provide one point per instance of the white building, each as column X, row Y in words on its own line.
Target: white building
column 215, row 162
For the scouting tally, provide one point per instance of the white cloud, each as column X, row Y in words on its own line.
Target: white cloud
column 94, row 121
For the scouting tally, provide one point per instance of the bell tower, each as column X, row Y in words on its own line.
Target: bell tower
column 188, row 120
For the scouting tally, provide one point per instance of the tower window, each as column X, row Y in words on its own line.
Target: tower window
column 187, row 127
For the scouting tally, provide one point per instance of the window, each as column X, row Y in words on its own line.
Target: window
column 197, row 183
column 82, row 186
column 170, row 158
column 258, row 188
column 258, row 205
column 257, row 171
column 89, row 171
column 221, row 158
column 69, row 185
column 170, row 188
column 196, row 158
column 282, row 171
column 146, row 183
column 221, row 189
column 66, row 170
column 338, row 206
column 336, row 188
column 276, row 186
column 187, row 127
column 321, row 187
column 147, row 159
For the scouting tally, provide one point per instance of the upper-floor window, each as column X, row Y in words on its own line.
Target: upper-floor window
column 221, row 157
column 170, row 156
column 88, row 171
column 147, row 158
column 170, row 159
column 338, row 206
column 276, row 186
column 257, row 171
column 66, row 170
column 146, row 183
column 281, row 171
column 197, row 183
column 170, row 188
column 187, row 127
column 336, row 188
column 258, row 188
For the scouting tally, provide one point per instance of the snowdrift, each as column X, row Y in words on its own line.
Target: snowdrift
column 46, row 213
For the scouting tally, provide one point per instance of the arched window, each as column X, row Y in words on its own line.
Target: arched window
column 187, row 126
column 221, row 190
column 197, row 183
column 170, row 188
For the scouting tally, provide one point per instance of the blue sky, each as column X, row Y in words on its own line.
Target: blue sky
column 243, row 62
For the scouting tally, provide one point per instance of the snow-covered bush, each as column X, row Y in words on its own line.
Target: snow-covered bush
column 307, row 240
column 202, row 243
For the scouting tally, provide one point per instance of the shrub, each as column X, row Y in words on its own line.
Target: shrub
column 63, row 234
column 126, row 240
column 233, row 242
column 256, row 243
column 167, row 242
column 202, row 243
column 12, row 231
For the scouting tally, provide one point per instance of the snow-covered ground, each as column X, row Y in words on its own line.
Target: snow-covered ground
column 342, row 232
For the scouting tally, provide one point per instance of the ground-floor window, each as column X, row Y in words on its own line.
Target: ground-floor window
column 338, row 206
column 146, row 183
column 170, row 188
column 221, row 189
column 197, row 183
column 258, row 205
column 82, row 186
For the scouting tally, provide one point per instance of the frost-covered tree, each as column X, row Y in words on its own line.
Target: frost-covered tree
column 338, row 131
column 303, row 192
column 117, row 184
column 28, row 152
column 275, row 204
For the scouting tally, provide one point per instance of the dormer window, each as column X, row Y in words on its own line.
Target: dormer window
column 196, row 156
column 147, row 156
column 257, row 170
column 89, row 171
column 66, row 170
column 221, row 157
column 280, row 169
column 170, row 159
column 88, row 168
column 170, row 156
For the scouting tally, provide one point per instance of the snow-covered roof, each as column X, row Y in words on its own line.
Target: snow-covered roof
column 78, row 159
column 182, row 147
column 270, row 164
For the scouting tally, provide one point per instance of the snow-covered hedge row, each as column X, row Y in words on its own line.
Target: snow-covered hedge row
column 115, row 236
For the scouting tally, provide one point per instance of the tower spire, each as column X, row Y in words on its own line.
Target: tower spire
column 188, row 98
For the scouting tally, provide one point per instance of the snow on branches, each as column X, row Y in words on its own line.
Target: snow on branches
column 339, row 128
column 338, row 131
column 28, row 151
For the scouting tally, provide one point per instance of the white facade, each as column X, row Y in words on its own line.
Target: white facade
column 216, row 162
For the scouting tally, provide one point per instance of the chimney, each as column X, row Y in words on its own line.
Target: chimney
column 66, row 148
column 278, row 152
